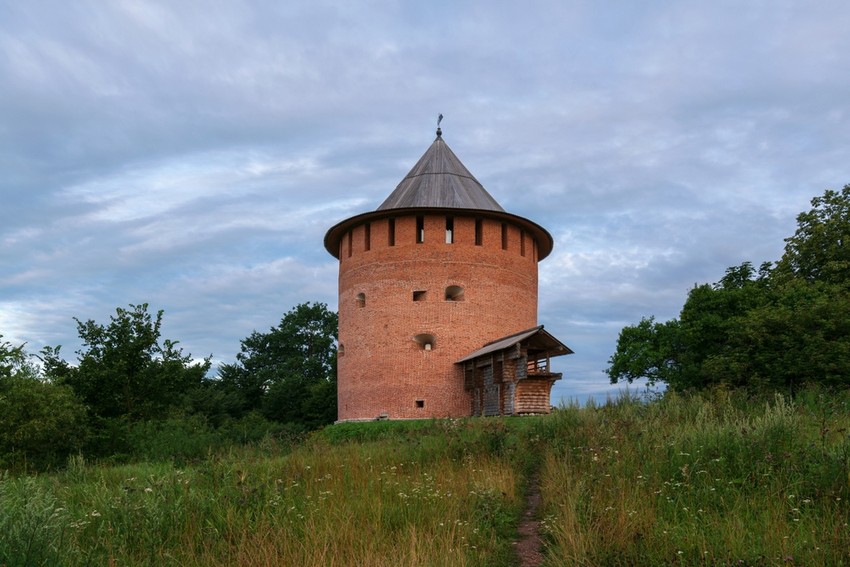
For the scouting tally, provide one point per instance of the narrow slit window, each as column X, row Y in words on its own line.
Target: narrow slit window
column 350, row 238
column 522, row 243
column 420, row 230
column 391, row 232
column 361, row 300
column 340, row 350
column 504, row 236
column 450, row 230
column 367, row 236
column 479, row 232
column 419, row 295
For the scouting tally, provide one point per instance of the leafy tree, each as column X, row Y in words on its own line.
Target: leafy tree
column 680, row 351
column 125, row 370
column 776, row 329
column 646, row 350
column 13, row 359
column 800, row 338
column 820, row 248
column 289, row 373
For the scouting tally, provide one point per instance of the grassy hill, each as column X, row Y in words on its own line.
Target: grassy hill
column 716, row 479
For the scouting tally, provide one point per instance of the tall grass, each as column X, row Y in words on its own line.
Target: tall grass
column 714, row 479
column 439, row 499
column 702, row 480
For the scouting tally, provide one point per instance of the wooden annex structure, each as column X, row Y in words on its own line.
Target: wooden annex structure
column 512, row 375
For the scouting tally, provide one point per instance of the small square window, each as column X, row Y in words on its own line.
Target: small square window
column 420, row 403
column 419, row 295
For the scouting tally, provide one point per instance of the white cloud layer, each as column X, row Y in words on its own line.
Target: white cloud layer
column 192, row 155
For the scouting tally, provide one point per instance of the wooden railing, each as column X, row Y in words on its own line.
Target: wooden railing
column 538, row 366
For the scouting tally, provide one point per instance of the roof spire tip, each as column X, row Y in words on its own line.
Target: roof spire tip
column 439, row 131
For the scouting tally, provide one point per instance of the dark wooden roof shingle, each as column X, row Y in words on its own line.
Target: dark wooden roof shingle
column 441, row 183
column 440, row 180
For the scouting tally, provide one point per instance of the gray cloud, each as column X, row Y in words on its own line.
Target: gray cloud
column 193, row 155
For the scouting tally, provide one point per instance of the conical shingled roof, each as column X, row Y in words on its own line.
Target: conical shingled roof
column 440, row 180
column 441, row 183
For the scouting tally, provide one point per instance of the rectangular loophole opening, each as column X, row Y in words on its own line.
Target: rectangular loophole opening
column 367, row 236
column 419, row 295
column 450, row 230
column 391, row 232
column 420, row 403
column 420, row 230
column 479, row 232
column 504, row 236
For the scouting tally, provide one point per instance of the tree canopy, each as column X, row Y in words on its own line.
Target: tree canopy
column 125, row 370
column 779, row 328
column 289, row 372
column 131, row 393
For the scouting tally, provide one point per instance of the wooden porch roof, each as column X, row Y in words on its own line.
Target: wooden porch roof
column 537, row 339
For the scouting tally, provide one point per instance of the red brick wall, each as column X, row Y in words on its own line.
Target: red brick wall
column 383, row 370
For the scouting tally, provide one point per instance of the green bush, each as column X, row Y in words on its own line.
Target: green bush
column 40, row 424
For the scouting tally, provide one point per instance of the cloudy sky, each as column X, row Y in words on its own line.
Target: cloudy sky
column 191, row 155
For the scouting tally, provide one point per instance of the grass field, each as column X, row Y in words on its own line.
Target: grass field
column 704, row 480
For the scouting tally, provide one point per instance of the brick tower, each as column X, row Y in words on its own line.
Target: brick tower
column 438, row 302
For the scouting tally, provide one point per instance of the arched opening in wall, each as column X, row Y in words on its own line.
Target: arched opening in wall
column 454, row 293
column 426, row 341
column 450, row 230
column 340, row 350
column 361, row 300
